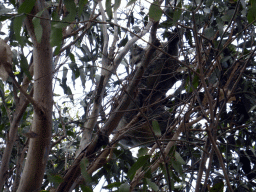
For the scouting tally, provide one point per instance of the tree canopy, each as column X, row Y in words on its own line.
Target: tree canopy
column 145, row 95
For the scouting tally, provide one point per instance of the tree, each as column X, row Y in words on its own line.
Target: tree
column 176, row 79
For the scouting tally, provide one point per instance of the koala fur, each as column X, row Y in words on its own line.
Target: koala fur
column 158, row 78
column 5, row 60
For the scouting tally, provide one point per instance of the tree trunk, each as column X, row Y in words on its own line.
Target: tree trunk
column 39, row 147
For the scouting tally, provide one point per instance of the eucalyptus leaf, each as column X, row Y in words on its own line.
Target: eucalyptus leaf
column 152, row 185
column 26, row 6
column 117, row 4
column 64, row 85
column 125, row 187
column 123, row 42
column 177, row 13
column 37, row 26
column 82, row 76
column 5, row 17
column 142, row 151
column 56, row 179
column 131, row 2
column 156, row 128
column 112, row 185
column 209, row 32
column 218, row 187
column 177, row 167
column 17, row 23
column 109, row 9
column 81, row 3
column 83, row 165
column 179, row 158
column 56, row 37
column 86, row 188
column 71, row 7
column 155, row 12
column 24, row 66
column 228, row 15
column 141, row 161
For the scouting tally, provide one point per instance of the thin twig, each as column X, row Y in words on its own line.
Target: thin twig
column 217, row 151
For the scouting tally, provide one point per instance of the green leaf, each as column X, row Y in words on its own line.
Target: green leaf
column 228, row 15
column 174, row 176
column 24, row 66
column 125, row 187
column 130, row 2
column 17, row 23
column 86, row 188
column 142, row 151
column 251, row 16
column 209, row 32
column 56, row 37
column 82, row 76
column 218, row 187
column 144, row 185
column 156, row 128
column 109, row 9
column 57, row 50
column 5, row 17
column 75, row 70
column 177, row 167
column 145, row 20
column 71, row 133
column 148, row 174
column 155, row 12
column 188, row 36
column 81, row 4
column 163, row 168
column 71, row 7
column 195, row 81
column 112, row 185
column 64, row 75
column 179, row 158
column 64, row 85
column 37, row 26
column 56, row 179
column 177, row 14
column 117, row 4
column 123, row 42
column 83, row 165
column 220, row 24
column 152, row 185
column 72, row 57
column 86, row 51
column 26, row 6
column 140, row 162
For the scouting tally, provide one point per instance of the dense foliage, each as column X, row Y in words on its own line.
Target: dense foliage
column 209, row 143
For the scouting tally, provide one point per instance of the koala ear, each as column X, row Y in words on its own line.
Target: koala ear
column 5, row 60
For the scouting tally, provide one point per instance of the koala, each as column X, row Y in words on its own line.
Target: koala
column 158, row 78
column 5, row 60
column 136, row 55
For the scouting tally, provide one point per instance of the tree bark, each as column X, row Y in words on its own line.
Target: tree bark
column 39, row 147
